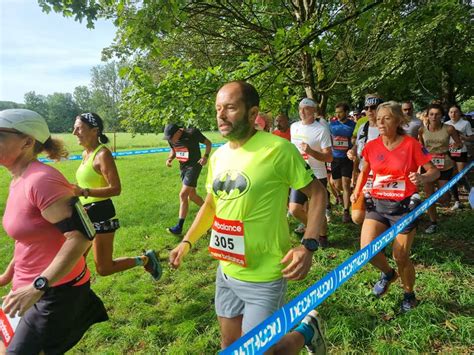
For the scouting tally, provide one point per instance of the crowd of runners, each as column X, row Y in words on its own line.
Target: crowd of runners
column 372, row 162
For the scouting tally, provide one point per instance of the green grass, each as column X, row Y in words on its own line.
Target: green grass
column 127, row 141
column 176, row 314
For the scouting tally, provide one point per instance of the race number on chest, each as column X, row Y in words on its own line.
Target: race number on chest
column 227, row 241
column 182, row 154
column 388, row 187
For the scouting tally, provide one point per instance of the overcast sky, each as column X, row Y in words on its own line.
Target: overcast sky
column 46, row 53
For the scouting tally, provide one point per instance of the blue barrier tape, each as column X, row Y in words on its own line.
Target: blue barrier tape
column 130, row 152
column 267, row 333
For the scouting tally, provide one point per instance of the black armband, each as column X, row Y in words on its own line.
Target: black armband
column 79, row 220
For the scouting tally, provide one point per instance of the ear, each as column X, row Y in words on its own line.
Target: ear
column 253, row 112
column 29, row 142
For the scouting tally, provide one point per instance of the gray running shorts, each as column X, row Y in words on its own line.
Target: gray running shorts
column 256, row 301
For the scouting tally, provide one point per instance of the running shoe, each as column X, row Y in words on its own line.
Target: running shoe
column 432, row 228
column 153, row 265
column 323, row 242
column 318, row 343
column 300, row 229
column 346, row 217
column 176, row 230
column 457, row 205
column 382, row 285
column 408, row 304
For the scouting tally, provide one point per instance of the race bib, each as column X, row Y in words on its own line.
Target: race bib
column 340, row 143
column 453, row 151
column 7, row 327
column 369, row 184
column 388, row 187
column 182, row 154
column 227, row 241
column 438, row 160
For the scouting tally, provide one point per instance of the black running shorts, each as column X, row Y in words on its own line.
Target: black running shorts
column 58, row 320
column 190, row 174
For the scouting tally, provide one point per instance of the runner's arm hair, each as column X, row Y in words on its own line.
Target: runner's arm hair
column 74, row 246
column 202, row 222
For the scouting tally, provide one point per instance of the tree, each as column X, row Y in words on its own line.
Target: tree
column 4, row 105
column 37, row 103
column 62, row 111
column 107, row 88
column 83, row 99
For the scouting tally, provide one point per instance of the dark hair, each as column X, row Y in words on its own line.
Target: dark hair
column 249, row 93
column 93, row 120
column 343, row 105
column 435, row 106
column 457, row 106
column 54, row 148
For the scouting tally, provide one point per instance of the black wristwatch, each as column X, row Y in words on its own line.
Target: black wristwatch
column 310, row 243
column 41, row 283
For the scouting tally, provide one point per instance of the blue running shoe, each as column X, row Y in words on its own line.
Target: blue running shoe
column 176, row 230
column 382, row 285
column 153, row 265
column 408, row 304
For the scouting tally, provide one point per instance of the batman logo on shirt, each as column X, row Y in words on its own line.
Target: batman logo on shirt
column 230, row 185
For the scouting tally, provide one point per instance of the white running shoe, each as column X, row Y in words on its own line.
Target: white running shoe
column 432, row 228
column 318, row 343
column 300, row 229
column 328, row 215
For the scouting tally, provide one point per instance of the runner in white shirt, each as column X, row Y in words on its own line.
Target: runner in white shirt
column 313, row 140
column 414, row 123
column 459, row 155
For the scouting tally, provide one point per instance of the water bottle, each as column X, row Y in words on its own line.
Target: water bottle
column 415, row 200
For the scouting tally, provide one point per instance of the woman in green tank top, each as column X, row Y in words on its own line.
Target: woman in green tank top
column 435, row 137
column 97, row 181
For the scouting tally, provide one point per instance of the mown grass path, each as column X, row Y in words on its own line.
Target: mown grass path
column 176, row 314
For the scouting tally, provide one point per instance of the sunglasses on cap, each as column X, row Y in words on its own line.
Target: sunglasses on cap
column 371, row 107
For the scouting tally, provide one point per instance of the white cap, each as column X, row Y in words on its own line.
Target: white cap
column 25, row 121
column 307, row 102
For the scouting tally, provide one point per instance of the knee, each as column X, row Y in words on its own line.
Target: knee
column 183, row 195
column 401, row 257
column 295, row 209
column 358, row 216
column 227, row 340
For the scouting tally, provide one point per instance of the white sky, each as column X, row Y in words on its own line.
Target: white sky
column 46, row 53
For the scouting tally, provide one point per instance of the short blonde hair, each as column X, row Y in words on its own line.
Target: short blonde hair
column 395, row 110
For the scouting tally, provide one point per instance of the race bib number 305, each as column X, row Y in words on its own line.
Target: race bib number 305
column 227, row 241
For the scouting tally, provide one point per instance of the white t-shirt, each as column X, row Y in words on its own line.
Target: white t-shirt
column 412, row 127
column 317, row 136
column 372, row 134
column 463, row 127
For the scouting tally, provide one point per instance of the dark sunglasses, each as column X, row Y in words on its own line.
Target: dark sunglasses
column 372, row 107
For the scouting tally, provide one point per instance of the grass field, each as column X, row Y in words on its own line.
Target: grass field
column 176, row 314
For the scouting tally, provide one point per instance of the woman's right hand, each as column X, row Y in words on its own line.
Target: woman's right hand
column 77, row 190
column 351, row 154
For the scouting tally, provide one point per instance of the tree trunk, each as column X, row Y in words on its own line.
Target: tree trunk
column 448, row 96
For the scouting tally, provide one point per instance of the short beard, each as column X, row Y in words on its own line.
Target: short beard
column 240, row 129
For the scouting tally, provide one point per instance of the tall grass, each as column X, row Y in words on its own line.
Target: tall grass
column 176, row 314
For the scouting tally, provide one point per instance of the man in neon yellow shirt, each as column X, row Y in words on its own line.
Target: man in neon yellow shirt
column 247, row 185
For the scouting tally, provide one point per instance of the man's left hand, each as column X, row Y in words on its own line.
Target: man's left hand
column 300, row 260
column 19, row 301
column 202, row 161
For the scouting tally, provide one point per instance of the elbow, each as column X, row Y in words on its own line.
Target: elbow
column 116, row 190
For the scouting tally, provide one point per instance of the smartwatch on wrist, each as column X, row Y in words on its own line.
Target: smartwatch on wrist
column 41, row 283
column 311, row 244
column 85, row 192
